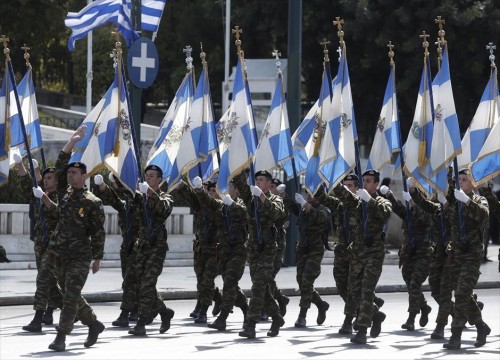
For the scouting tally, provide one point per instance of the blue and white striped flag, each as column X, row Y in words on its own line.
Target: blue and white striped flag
column 151, row 13
column 236, row 134
column 275, row 144
column 382, row 147
column 6, row 97
column 98, row 13
column 164, row 156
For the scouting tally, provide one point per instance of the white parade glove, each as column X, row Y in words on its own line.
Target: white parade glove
column 35, row 163
column 111, row 178
column 384, row 189
column 143, row 187
column 281, row 188
column 364, row 195
column 17, row 158
column 406, row 196
column 256, row 191
column 226, row 199
column 410, row 182
column 442, row 199
column 300, row 199
column 197, row 182
column 38, row 192
column 98, row 180
column 461, row 196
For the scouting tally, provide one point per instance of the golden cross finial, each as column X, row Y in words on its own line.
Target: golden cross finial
column 189, row 60
column 203, row 56
column 490, row 47
column 325, row 43
column 338, row 22
column 425, row 43
column 439, row 49
column 6, row 50
column 391, row 52
column 117, row 34
column 441, row 32
column 26, row 54
column 277, row 55
column 237, row 31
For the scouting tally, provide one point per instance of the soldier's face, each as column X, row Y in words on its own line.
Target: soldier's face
column 263, row 182
column 274, row 189
column 50, row 182
column 153, row 179
column 465, row 183
column 352, row 186
column 369, row 184
column 212, row 191
column 75, row 177
column 233, row 192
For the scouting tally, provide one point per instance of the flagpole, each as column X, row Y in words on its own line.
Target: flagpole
column 88, row 106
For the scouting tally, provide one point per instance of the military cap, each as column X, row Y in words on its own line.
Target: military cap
column 463, row 172
column 373, row 173
column 351, row 177
column 49, row 170
column 78, row 165
column 209, row 184
column 276, row 181
column 154, row 167
column 265, row 173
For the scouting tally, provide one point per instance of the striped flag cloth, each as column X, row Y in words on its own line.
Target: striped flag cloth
column 151, row 13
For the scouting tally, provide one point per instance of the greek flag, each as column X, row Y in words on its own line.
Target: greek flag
column 151, row 13
column 275, row 144
column 7, row 96
column 98, row 13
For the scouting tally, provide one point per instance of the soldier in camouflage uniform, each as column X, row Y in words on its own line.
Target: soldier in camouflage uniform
column 493, row 204
column 151, row 250
column 368, row 252
column 77, row 239
column 414, row 253
column 314, row 222
column 265, row 209
column 204, row 251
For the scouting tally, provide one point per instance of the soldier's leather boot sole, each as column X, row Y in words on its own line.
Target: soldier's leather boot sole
column 59, row 343
column 165, row 320
column 408, row 326
column 483, row 330
column 218, row 324
column 95, row 329
column 278, row 322
column 34, row 327
column 424, row 317
column 322, row 309
column 378, row 319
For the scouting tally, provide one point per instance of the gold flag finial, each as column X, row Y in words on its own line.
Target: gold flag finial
column 325, row 44
column 203, row 56
column 441, row 32
column 26, row 54
column 237, row 31
column 338, row 22
column 391, row 52
column 277, row 55
column 189, row 60
column 425, row 43
column 117, row 34
column 439, row 51
column 490, row 47
column 6, row 50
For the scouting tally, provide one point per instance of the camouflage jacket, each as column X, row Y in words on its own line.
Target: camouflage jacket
column 159, row 207
column 79, row 232
column 493, row 202
column 345, row 221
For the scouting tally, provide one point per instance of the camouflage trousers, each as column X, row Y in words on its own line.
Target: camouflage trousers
column 232, row 262
column 308, row 270
column 415, row 270
column 364, row 274
column 131, row 281
column 341, row 265
column 149, row 266
column 465, row 273
column 71, row 275
column 206, row 270
column 440, row 283
column 278, row 261
column 47, row 292
column 261, row 263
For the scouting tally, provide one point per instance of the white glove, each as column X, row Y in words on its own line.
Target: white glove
column 461, row 196
column 197, row 182
column 406, row 196
column 300, row 199
column 256, row 191
column 38, row 192
column 281, row 188
column 410, row 182
column 442, row 199
column 384, row 189
column 17, row 158
column 35, row 163
column 364, row 195
column 226, row 199
column 111, row 178
column 98, row 180
column 143, row 187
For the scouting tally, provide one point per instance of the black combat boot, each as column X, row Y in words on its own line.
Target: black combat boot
column 379, row 302
column 424, row 317
column 47, row 317
column 483, row 330
column 36, row 324
column 202, row 315
column 277, row 323
column 301, row 320
column 217, row 301
column 139, row 328
column 220, row 322
column 244, row 310
column 283, row 302
column 122, row 320
column 248, row 330
column 377, row 320
column 456, row 336
column 346, row 328
column 95, row 329
column 323, row 307
column 196, row 311
column 166, row 315
column 263, row 316
column 59, row 344
column 410, row 322
column 360, row 337
column 438, row 332
column 133, row 316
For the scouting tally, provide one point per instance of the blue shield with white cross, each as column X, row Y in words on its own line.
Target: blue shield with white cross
column 142, row 62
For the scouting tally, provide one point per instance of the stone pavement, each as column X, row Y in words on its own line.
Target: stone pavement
column 17, row 287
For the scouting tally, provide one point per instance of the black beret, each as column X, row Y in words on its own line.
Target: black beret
column 78, row 165
column 49, row 170
column 352, row 177
column 463, row 172
column 372, row 172
column 276, row 181
column 209, row 184
column 153, row 167
column 265, row 173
